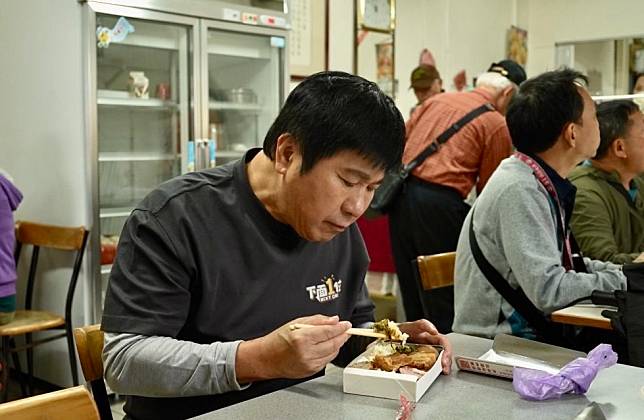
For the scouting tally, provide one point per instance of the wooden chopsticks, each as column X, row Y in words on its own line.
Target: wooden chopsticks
column 366, row 332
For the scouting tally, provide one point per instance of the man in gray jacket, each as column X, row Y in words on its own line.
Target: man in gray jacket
column 521, row 218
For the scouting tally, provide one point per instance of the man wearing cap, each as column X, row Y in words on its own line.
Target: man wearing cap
column 428, row 216
column 426, row 82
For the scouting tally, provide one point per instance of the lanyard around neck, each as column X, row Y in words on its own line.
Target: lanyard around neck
column 544, row 180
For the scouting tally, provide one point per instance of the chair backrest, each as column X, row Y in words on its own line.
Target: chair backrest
column 56, row 237
column 50, row 236
column 89, row 345
column 70, row 403
column 436, row 270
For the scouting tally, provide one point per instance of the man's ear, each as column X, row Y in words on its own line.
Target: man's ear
column 285, row 150
column 569, row 135
column 618, row 146
column 437, row 85
column 503, row 98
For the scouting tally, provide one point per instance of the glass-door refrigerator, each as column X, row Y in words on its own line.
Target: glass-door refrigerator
column 173, row 86
column 144, row 74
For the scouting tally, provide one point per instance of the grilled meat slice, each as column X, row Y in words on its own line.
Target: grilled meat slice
column 422, row 358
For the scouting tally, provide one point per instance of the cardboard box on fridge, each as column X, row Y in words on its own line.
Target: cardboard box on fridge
column 378, row 383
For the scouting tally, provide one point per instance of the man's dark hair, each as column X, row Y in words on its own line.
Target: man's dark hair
column 613, row 117
column 542, row 107
column 333, row 111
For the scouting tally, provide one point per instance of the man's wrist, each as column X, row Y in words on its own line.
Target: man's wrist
column 250, row 365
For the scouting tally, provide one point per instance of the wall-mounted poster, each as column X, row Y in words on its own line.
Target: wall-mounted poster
column 308, row 37
column 385, row 66
column 518, row 45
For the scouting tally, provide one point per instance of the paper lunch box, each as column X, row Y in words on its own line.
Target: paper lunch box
column 378, row 383
column 509, row 351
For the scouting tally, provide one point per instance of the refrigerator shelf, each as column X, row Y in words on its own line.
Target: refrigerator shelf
column 109, row 212
column 116, row 98
column 135, row 157
column 234, row 106
column 160, row 40
column 229, row 154
column 238, row 52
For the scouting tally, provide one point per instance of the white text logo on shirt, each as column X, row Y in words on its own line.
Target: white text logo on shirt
column 329, row 289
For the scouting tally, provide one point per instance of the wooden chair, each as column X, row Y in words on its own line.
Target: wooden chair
column 29, row 320
column 436, row 270
column 70, row 403
column 89, row 344
column 435, row 278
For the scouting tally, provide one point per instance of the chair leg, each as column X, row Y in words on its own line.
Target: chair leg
column 4, row 373
column 100, row 397
column 17, row 367
column 30, row 363
column 421, row 289
column 72, row 353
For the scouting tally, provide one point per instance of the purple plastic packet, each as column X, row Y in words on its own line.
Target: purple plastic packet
column 574, row 378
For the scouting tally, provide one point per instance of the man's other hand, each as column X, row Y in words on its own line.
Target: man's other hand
column 424, row 332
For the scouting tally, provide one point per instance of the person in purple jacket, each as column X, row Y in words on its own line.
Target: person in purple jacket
column 10, row 198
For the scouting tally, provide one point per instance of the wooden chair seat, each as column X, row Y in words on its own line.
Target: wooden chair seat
column 70, row 403
column 30, row 321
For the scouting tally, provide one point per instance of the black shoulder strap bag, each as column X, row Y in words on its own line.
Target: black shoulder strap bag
column 392, row 183
column 629, row 319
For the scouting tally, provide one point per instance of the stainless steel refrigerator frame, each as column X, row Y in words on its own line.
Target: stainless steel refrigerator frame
column 199, row 18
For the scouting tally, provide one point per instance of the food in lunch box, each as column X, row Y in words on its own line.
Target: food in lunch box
column 420, row 357
column 391, row 330
column 410, row 358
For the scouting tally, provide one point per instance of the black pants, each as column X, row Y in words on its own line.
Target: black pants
column 426, row 219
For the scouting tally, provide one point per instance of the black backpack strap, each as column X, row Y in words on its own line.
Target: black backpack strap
column 515, row 297
column 445, row 135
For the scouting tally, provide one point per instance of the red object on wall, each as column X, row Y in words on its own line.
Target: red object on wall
column 376, row 237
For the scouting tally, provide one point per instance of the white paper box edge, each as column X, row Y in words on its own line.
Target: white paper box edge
column 377, row 383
